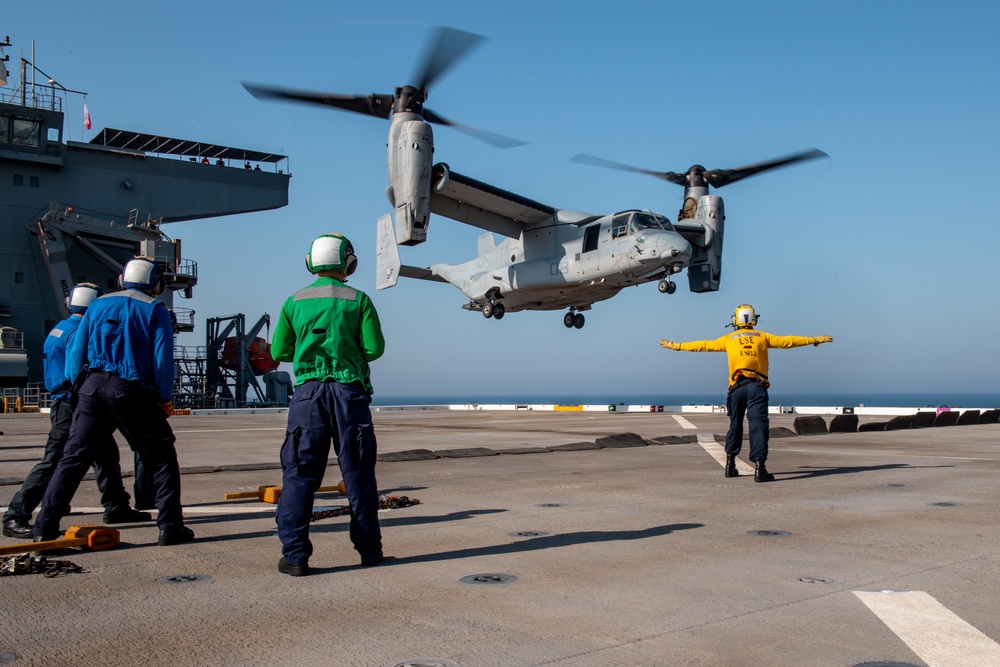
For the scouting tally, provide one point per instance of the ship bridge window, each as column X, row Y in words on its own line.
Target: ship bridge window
column 4, row 129
column 26, row 132
column 53, row 134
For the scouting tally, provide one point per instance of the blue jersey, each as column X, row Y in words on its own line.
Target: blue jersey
column 127, row 333
column 56, row 343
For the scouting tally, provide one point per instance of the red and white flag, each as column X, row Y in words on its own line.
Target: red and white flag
column 86, row 116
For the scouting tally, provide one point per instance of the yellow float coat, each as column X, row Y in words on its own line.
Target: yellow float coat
column 747, row 350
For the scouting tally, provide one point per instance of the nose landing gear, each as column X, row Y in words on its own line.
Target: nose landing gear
column 666, row 286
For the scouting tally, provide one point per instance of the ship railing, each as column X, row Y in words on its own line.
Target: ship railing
column 190, row 353
column 37, row 98
column 183, row 319
column 11, row 339
column 145, row 219
column 179, row 268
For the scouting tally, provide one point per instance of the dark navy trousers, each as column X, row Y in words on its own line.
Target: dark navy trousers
column 107, row 470
column 107, row 402
column 321, row 413
column 748, row 397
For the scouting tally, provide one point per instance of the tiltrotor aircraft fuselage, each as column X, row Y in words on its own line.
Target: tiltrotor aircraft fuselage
column 550, row 259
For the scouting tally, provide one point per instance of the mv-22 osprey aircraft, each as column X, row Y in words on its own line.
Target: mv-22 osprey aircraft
column 551, row 258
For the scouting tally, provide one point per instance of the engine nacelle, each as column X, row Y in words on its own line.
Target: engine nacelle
column 410, row 157
column 705, row 267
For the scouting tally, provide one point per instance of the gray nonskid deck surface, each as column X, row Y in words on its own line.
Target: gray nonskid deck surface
column 627, row 555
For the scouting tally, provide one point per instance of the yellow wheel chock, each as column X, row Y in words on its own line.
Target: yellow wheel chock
column 270, row 493
column 91, row 537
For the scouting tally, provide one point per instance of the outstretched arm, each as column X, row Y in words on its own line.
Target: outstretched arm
column 717, row 345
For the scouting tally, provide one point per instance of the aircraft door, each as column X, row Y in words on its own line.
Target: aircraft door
column 589, row 258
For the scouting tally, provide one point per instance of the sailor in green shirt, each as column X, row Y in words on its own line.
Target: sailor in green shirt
column 330, row 332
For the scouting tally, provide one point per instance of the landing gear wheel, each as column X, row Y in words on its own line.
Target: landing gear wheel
column 579, row 321
column 498, row 311
column 487, row 310
column 666, row 287
column 568, row 320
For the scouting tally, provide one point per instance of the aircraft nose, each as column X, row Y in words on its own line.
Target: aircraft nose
column 674, row 246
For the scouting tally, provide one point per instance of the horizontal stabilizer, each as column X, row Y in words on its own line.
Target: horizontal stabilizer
column 420, row 274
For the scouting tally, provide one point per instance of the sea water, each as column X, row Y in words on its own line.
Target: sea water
column 845, row 399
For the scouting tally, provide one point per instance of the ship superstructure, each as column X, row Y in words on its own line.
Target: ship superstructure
column 72, row 211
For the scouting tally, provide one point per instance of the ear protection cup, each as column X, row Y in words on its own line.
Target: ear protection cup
column 160, row 286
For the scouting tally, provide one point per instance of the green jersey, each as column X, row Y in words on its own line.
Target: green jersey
column 329, row 331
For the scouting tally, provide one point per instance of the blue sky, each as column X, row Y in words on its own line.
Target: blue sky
column 890, row 246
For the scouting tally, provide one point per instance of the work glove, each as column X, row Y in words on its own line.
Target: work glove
column 168, row 408
column 823, row 339
column 670, row 345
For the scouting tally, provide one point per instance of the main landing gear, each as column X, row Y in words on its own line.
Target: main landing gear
column 494, row 310
column 574, row 320
column 666, row 286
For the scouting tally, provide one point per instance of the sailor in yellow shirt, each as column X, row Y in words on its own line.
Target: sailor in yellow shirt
column 747, row 351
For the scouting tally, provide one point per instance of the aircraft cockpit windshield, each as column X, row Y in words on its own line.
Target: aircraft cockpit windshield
column 631, row 222
column 642, row 221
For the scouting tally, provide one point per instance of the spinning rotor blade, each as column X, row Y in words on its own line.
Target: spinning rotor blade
column 719, row 177
column 497, row 140
column 371, row 105
column 696, row 175
column 673, row 177
column 448, row 46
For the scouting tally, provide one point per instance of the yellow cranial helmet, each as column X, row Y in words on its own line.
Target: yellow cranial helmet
column 744, row 317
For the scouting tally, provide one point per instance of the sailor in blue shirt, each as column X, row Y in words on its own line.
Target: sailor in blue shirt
column 126, row 341
column 106, row 464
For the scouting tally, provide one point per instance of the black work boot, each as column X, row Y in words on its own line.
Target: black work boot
column 18, row 528
column 731, row 470
column 126, row 515
column 761, row 474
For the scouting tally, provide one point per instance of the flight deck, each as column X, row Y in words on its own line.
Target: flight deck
column 543, row 538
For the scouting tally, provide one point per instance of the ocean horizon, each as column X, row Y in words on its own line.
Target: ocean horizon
column 842, row 399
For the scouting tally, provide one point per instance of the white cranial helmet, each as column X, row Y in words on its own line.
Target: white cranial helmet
column 81, row 296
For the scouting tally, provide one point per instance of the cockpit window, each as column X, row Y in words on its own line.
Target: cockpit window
column 632, row 222
column 642, row 221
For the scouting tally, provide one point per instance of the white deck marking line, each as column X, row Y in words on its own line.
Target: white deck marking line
column 683, row 422
column 885, row 453
column 201, row 509
column 930, row 629
column 228, row 430
column 718, row 453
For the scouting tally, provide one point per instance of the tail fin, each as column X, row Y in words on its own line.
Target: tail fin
column 387, row 257
column 486, row 244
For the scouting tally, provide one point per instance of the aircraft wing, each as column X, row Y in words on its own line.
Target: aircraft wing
column 692, row 231
column 481, row 205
